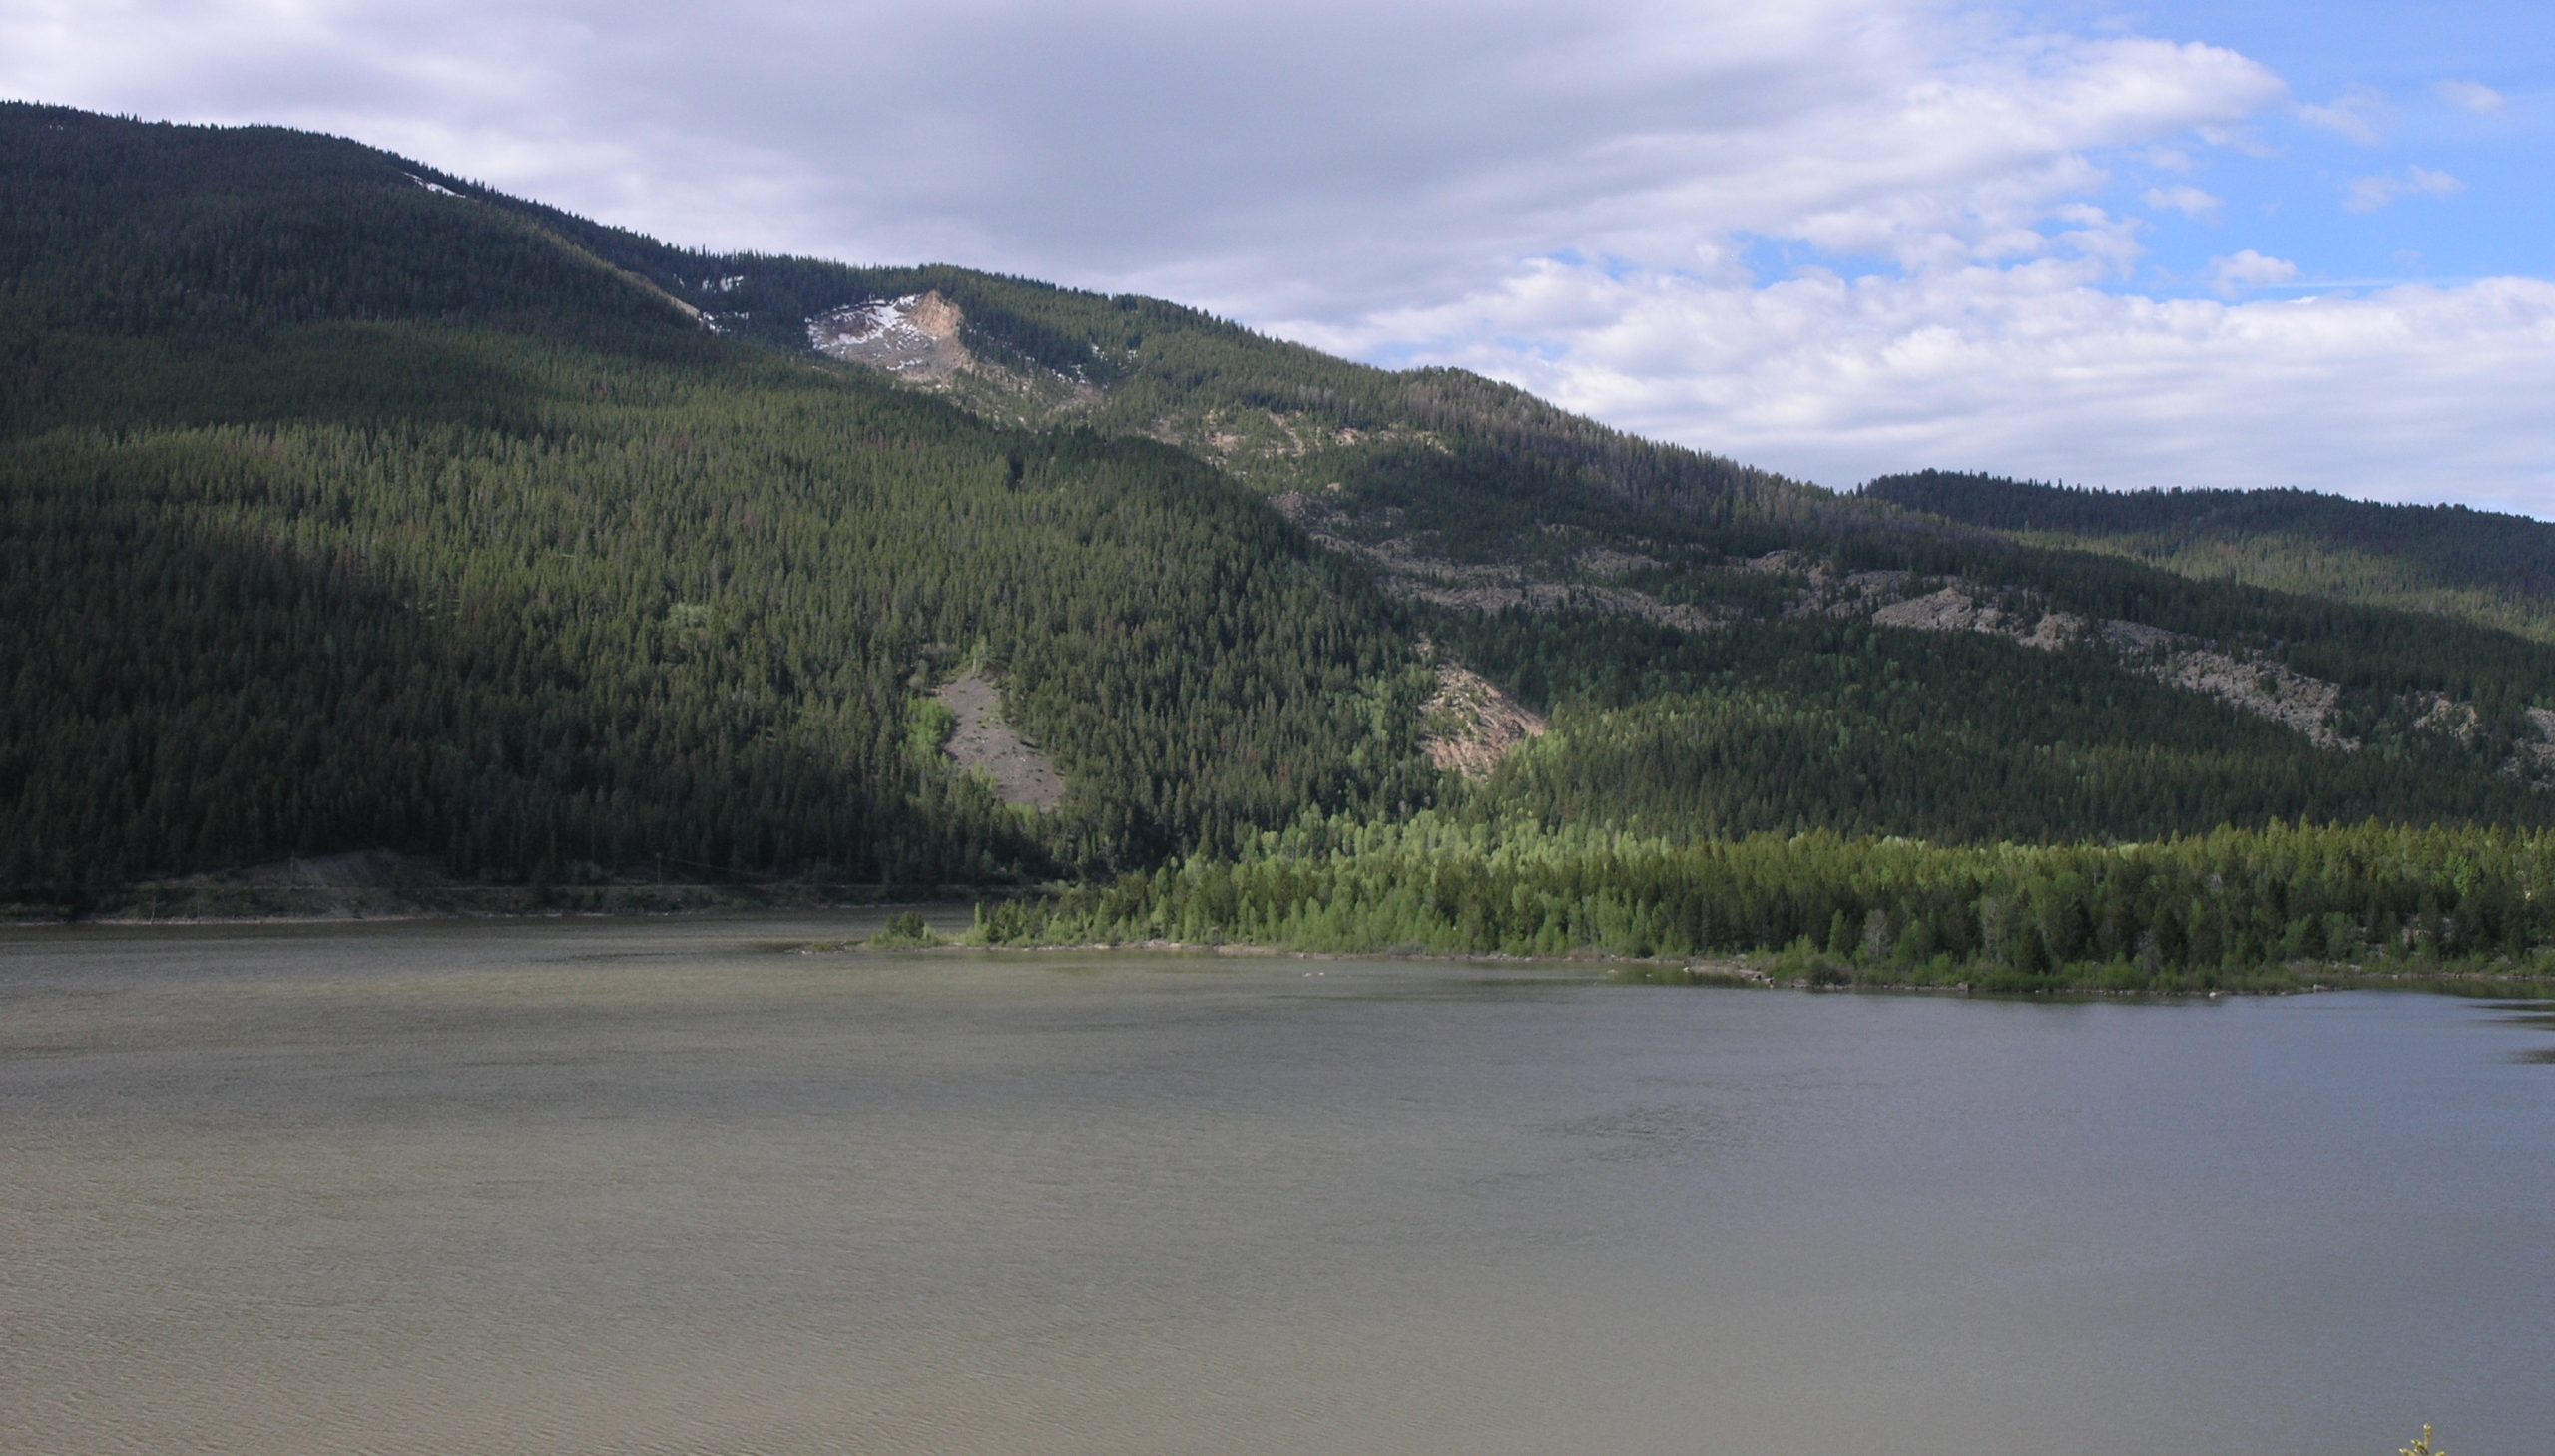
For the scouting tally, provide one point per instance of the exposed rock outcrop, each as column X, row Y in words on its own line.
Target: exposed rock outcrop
column 916, row 337
column 1467, row 726
column 983, row 742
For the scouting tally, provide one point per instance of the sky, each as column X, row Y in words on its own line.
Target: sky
column 2234, row 244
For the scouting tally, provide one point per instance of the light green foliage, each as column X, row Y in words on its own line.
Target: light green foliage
column 2223, row 911
column 905, row 931
column 928, row 724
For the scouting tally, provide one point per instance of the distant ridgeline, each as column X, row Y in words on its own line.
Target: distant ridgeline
column 349, row 505
column 2479, row 565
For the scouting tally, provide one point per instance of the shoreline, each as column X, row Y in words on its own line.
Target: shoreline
column 1744, row 970
column 306, row 893
column 1741, row 971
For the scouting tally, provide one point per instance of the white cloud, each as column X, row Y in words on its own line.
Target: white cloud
column 2472, row 96
column 1323, row 158
column 2189, row 200
column 2368, row 194
column 2360, row 114
column 2247, row 271
column 2032, row 371
column 2235, row 139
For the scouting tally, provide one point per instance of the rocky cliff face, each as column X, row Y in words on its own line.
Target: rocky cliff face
column 916, row 337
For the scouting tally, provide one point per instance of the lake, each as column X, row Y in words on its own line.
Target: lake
column 666, row 1187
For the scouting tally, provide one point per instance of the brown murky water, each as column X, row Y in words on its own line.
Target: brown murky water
column 622, row 1186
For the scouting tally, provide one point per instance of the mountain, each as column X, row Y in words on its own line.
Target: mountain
column 351, row 506
column 347, row 510
column 2449, row 560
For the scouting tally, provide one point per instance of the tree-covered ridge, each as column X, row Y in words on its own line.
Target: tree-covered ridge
column 1438, row 476
column 127, row 228
column 133, row 227
column 2450, row 560
column 1843, row 726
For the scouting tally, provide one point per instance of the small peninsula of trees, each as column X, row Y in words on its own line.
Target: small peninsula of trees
column 2231, row 910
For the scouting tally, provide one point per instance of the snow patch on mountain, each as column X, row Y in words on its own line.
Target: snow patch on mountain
column 916, row 337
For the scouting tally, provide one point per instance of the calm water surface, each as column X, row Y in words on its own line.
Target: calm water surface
column 617, row 1187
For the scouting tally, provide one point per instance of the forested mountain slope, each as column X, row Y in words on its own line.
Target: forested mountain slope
column 350, row 505
column 343, row 513
column 2451, row 560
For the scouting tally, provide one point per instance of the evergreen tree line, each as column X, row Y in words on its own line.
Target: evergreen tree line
column 2224, row 909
